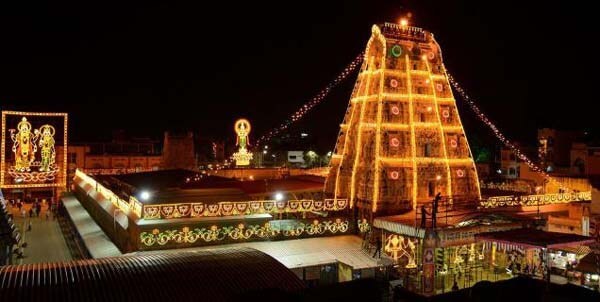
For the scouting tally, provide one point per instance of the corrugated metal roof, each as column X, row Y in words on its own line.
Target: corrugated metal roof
column 309, row 251
column 208, row 275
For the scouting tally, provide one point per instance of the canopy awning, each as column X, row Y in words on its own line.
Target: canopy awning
column 577, row 250
column 589, row 264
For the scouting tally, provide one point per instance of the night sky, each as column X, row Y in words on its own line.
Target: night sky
column 150, row 66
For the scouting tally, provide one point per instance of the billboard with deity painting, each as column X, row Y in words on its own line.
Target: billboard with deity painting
column 33, row 150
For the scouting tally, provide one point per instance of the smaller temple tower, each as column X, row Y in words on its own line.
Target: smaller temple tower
column 178, row 151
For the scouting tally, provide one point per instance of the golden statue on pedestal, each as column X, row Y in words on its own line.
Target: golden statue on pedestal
column 242, row 129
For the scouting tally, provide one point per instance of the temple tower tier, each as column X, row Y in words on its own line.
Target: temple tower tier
column 401, row 141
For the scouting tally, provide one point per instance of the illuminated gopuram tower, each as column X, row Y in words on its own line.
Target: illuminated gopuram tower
column 401, row 141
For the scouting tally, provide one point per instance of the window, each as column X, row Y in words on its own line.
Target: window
column 72, row 158
column 512, row 171
column 431, row 187
column 427, row 150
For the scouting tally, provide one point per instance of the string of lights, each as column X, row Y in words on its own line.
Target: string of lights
column 304, row 109
column 312, row 102
column 482, row 117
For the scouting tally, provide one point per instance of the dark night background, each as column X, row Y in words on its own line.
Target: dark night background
column 151, row 66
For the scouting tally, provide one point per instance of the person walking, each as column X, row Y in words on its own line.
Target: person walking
column 29, row 225
column 424, row 214
column 377, row 248
column 47, row 215
column 455, row 286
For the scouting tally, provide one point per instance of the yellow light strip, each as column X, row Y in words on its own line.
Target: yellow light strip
column 370, row 72
column 418, row 96
column 445, row 100
column 389, row 97
column 427, row 124
column 35, row 113
column 432, row 160
column 358, row 146
column 415, row 72
column 376, row 179
column 396, row 126
column 2, row 163
column 465, row 134
column 442, row 133
column 413, row 142
column 368, row 98
column 452, row 128
column 337, row 175
column 395, row 97
column 48, row 185
column 393, row 126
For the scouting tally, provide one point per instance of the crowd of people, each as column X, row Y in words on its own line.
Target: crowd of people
column 32, row 209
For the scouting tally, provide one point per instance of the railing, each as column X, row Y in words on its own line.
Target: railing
column 535, row 200
column 200, row 209
column 506, row 187
column 116, row 171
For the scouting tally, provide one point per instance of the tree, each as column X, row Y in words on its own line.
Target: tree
column 311, row 158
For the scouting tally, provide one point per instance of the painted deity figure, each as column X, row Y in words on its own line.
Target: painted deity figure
column 242, row 128
column 48, row 151
column 24, row 145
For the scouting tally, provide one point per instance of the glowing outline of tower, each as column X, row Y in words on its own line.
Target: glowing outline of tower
column 402, row 140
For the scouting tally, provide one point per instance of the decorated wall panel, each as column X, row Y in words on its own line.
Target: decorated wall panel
column 203, row 235
column 29, row 149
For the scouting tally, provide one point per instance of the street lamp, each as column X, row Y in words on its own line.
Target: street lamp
column 145, row 195
column 279, row 196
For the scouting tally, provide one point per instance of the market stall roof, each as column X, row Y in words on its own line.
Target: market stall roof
column 589, row 264
column 578, row 250
column 535, row 238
